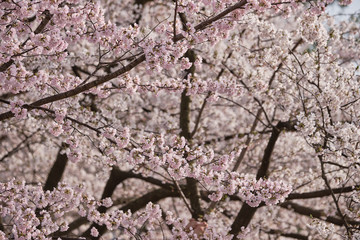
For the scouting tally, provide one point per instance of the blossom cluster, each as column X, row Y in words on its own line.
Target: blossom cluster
column 157, row 153
column 32, row 213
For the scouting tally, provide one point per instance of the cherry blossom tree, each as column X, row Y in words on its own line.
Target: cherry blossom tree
column 178, row 119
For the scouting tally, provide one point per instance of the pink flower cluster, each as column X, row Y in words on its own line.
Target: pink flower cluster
column 18, row 110
column 253, row 192
column 203, row 166
column 32, row 213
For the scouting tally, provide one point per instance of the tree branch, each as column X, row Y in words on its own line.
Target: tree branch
column 322, row 193
column 191, row 183
column 199, row 116
column 289, row 235
column 248, row 140
column 324, row 177
column 117, row 176
column 246, row 212
column 57, row 170
column 315, row 213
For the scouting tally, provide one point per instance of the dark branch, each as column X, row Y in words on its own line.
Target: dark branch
column 246, row 212
column 289, row 235
column 315, row 213
column 322, row 193
column 116, row 177
column 56, row 171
